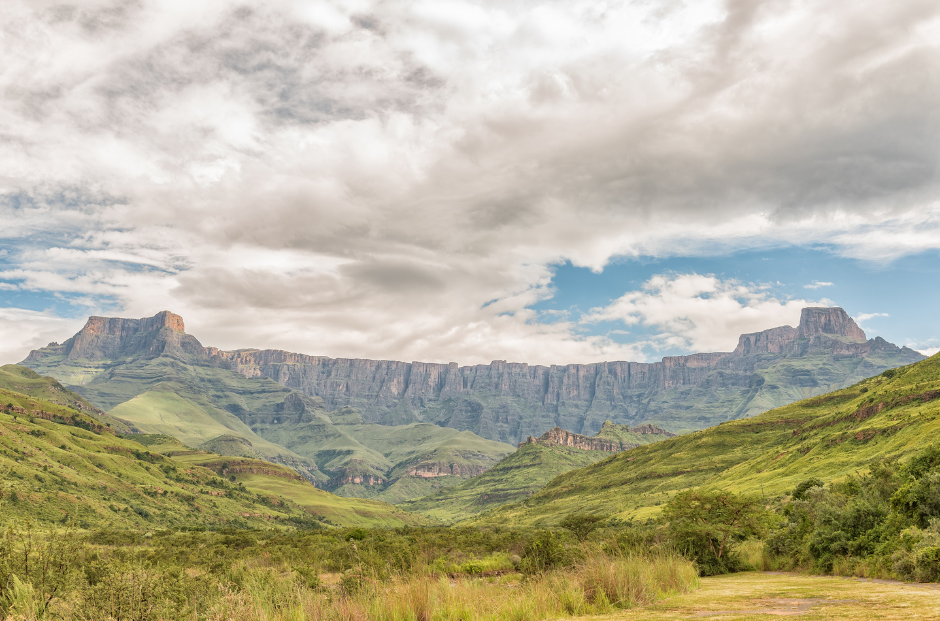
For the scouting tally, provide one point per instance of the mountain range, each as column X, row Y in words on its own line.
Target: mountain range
column 399, row 431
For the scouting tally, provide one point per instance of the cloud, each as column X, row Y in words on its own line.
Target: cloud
column 695, row 312
column 817, row 284
column 361, row 178
column 866, row 316
column 930, row 351
column 23, row 330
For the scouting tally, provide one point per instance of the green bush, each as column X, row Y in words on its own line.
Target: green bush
column 544, row 552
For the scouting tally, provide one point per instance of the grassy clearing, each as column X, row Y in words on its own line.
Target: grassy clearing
column 754, row 595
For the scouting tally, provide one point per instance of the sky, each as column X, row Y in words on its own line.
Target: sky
column 450, row 180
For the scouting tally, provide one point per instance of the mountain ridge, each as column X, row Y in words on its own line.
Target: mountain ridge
column 508, row 402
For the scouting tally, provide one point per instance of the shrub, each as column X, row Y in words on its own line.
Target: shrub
column 799, row 493
column 545, row 552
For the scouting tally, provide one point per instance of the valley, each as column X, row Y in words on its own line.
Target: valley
column 159, row 434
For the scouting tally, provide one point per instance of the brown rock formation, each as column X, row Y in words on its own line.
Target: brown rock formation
column 112, row 337
column 563, row 437
column 429, row 470
column 773, row 341
column 653, row 430
column 833, row 321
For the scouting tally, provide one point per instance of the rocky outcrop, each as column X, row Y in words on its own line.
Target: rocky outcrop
column 652, row 430
column 831, row 321
column 429, row 470
column 562, row 437
column 107, row 338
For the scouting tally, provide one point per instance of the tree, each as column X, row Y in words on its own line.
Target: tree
column 582, row 525
column 706, row 525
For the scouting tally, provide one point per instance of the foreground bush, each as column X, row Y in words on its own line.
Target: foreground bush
column 881, row 524
column 405, row 574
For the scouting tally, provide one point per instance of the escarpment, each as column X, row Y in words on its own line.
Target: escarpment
column 506, row 401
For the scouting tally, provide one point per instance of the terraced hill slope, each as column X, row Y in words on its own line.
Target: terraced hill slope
column 893, row 414
column 62, row 466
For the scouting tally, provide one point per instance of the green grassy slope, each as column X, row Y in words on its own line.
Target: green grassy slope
column 267, row 479
column 893, row 414
column 23, row 380
column 80, row 472
column 516, row 477
column 380, row 461
column 193, row 402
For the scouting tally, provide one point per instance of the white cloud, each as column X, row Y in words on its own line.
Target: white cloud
column 699, row 313
column 861, row 317
column 818, row 284
column 930, row 351
column 361, row 178
column 23, row 330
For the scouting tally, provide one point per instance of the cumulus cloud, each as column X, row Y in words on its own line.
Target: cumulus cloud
column 362, row 178
column 818, row 284
column 695, row 312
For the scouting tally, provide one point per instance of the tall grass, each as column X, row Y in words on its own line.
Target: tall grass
column 599, row 584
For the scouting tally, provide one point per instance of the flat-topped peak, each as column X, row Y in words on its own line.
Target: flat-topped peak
column 112, row 337
column 117, row 325
column 828, row 320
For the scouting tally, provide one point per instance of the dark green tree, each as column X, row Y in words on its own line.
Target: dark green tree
column 706, row 525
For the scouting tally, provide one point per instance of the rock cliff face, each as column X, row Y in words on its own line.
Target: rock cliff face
column 510, row 401
column 430, row 470
column 833, row 321
column 113, row 337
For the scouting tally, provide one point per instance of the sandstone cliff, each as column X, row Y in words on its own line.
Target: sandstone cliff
column 510, row 401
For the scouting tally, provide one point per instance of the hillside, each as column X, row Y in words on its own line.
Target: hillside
column 61, row 466
column 273, row 480
column 538, row 461
column 22, row 380
column 509, row 401
column 893, row 414
column 160, row 380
